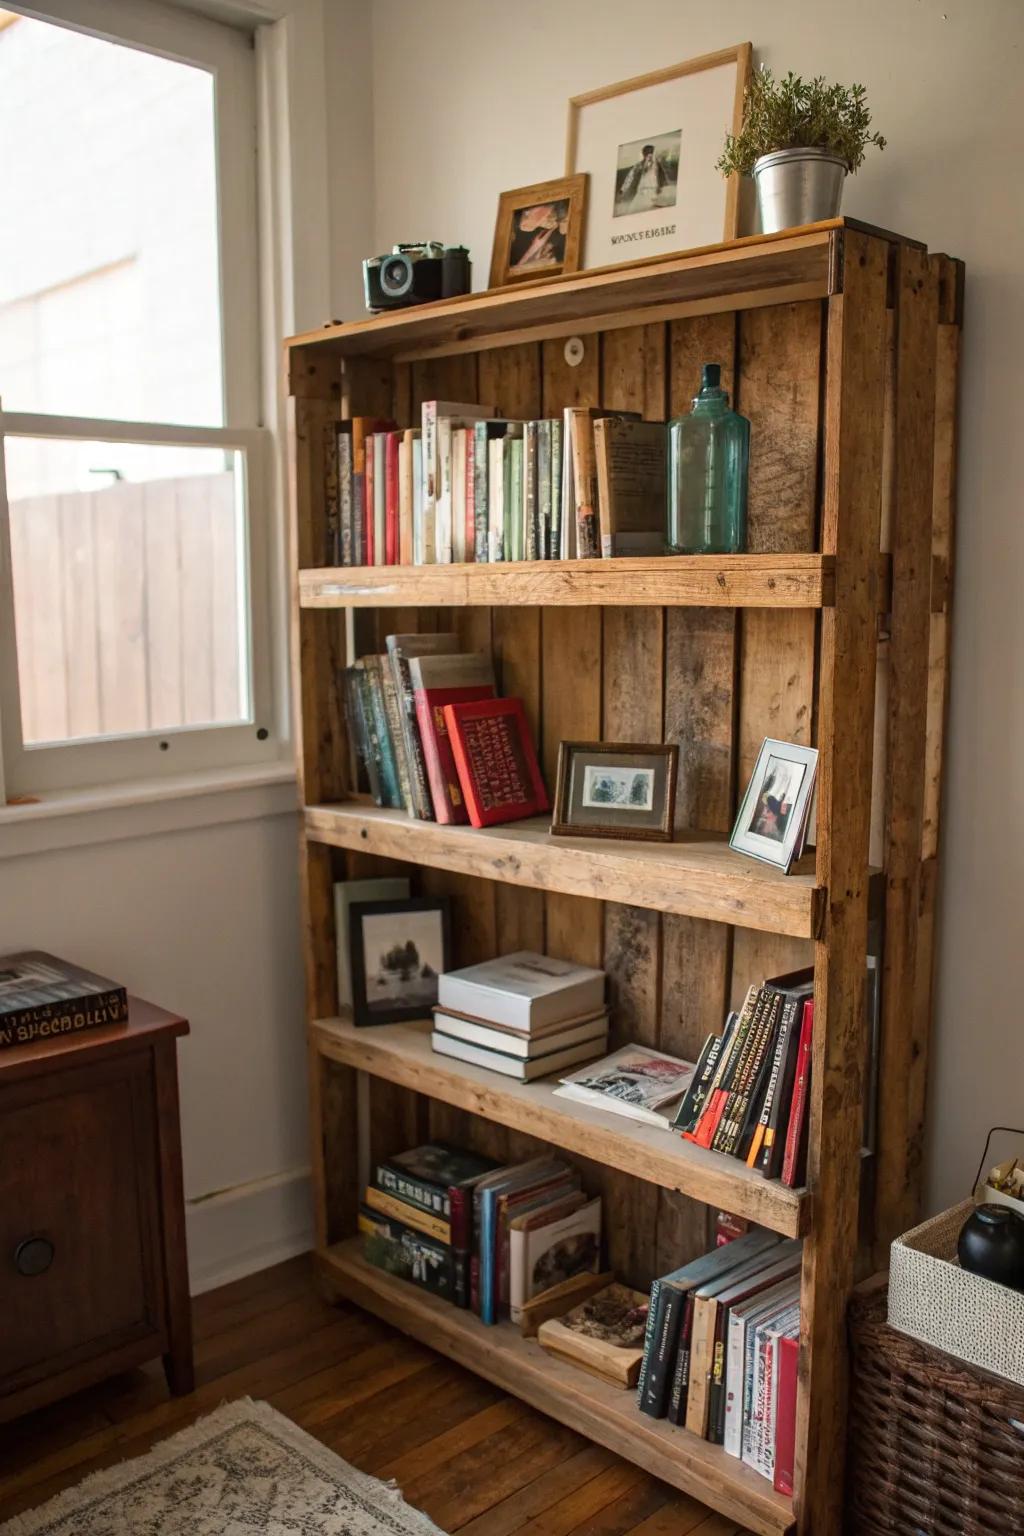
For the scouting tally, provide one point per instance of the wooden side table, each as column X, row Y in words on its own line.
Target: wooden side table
column 93, row 1271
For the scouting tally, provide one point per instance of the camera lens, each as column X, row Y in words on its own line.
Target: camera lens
column 396, row 276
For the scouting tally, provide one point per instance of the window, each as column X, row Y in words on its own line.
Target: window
column 133, row 505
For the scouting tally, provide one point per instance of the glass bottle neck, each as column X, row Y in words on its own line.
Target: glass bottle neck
column 711, row 403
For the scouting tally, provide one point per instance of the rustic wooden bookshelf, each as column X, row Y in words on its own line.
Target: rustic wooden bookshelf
column 841, row 344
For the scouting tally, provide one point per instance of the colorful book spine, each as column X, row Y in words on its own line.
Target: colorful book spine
column 369, row 532
column 380, row 737
column 345, row 488
column 439, row 758
column 514, row 545
column 332, row 503
column 530, row 446
column 658, row 1382
column 481, row 442
column 392, row 443
column 380, row 444
column 759, row 1041
column 417, row 500
column 555, row 514
column 780, row 1085
column 680, row 1389
column 392, row 709
column 796, row 1137
column 496, row 498
column 787, row 1367
column 469, row 534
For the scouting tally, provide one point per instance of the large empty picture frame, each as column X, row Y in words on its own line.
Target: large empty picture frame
column 649, row 146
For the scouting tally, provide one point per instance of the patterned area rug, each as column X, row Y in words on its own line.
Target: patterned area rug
column 243, row 1469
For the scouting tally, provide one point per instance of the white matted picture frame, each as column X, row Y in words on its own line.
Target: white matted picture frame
column 649, row 145
column 774, row 810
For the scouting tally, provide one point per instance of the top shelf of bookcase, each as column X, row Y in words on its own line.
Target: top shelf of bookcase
column 740, row 274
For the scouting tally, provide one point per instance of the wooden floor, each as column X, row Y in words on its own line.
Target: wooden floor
column 476, row 1461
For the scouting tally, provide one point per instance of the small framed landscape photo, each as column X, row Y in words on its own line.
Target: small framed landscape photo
column 539, row 230
column 608, row 790
column 398, row 950
column 772, row 816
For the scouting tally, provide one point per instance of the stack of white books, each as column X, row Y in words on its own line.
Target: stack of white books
column 524, row 1015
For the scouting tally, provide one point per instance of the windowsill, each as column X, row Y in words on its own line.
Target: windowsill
column 112, row 812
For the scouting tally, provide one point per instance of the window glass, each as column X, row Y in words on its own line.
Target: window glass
column 129, row 587
column 109, row 266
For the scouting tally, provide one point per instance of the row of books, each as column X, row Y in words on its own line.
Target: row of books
column 749, row 1094
column 482, row 1236
column 471, row 485
column 435, row 740
column 721, row 1351
column 524, row 1015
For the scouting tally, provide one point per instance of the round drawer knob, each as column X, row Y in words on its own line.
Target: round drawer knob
column 33, row 1256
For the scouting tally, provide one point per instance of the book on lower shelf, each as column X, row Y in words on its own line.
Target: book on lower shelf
column 43, row 997
column 634, row 1081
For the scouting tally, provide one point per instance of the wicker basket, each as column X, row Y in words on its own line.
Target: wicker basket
column 936, row 1446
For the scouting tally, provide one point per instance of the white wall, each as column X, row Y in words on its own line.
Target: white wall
column 204, row 922
column 470, row 99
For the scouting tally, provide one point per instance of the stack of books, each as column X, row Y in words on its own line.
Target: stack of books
column 434, row 739
column 471, row 485
column 524, row 1015
column 477, row 1234
column 749, row 1095
column 721, row 1351
column 416, row 1217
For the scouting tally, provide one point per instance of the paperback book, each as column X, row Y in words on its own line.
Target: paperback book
column 641, row 1084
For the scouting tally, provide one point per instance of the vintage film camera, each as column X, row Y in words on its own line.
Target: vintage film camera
column 414, row 274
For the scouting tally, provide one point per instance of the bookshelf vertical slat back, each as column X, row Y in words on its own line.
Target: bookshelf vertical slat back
column 852, row 402
column 573, row 665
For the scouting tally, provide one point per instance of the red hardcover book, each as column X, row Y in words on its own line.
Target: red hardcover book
column 363, row 428
column 785, row 1417
column 496, row 762
column 437, row 681
column 391, row 498
column 796, row 1133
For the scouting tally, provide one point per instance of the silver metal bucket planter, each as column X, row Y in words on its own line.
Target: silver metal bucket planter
column 798, row 186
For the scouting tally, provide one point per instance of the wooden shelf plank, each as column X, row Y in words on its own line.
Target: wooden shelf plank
column 401, row 1053
column 739, row 274
column 697, row 876
column 697, row 581
column 586, row 1404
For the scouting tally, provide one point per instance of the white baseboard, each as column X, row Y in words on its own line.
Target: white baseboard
column 238, row 1231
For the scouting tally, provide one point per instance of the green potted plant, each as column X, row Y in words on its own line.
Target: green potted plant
column 799, row 140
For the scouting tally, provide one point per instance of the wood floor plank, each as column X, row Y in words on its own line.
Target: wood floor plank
column 513, row 1512
column 478, row 1462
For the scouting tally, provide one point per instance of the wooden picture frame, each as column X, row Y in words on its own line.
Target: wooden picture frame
column 681, row 214
column 578, row 815
column 561, row 252
column 406, row 915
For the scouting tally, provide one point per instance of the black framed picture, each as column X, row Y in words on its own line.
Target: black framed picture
column 398, row 949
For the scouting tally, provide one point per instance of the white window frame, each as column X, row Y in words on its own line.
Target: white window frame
column 228, row 55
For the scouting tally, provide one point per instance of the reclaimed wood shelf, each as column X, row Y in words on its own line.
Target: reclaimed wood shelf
column 402, row 1053
column 693, row 581
column 699, row 875
column 740, row 274
column 605, row 1413
column 840, row 343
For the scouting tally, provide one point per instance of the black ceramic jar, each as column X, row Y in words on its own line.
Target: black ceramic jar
column 991, row 1243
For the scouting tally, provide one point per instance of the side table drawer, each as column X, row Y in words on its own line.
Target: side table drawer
column 80, row 1270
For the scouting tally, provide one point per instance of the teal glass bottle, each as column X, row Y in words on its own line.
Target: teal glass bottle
column 708, row 451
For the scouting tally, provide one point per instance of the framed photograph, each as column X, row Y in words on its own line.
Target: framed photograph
column 649, row 146
column 772, row 817
column 398, row 949
column 608, row 790
column 539, row 230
